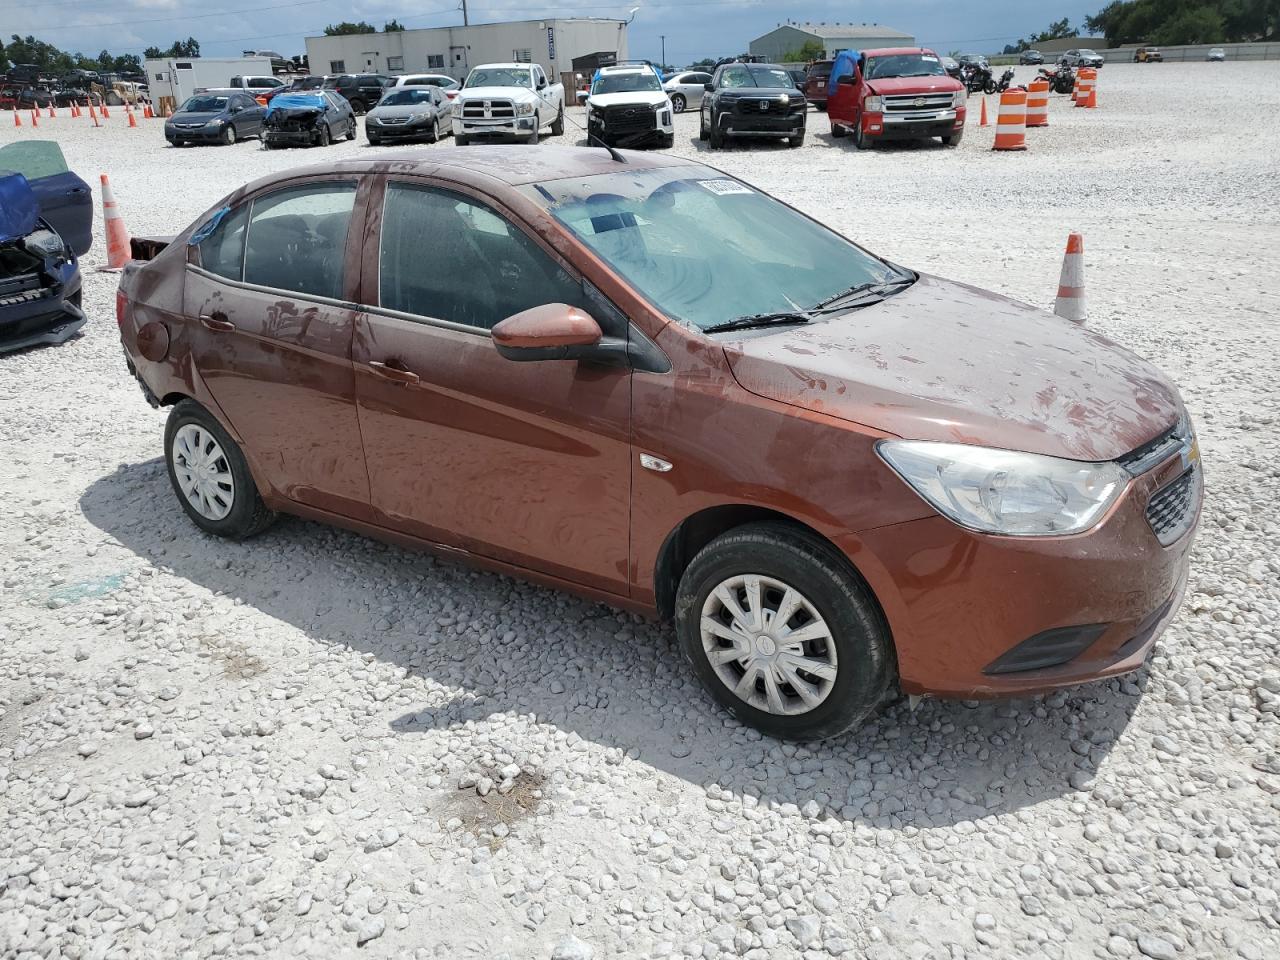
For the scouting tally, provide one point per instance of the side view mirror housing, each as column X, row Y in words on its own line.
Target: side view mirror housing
column 709, row 87
column 556, row 331
column 848, row 80
column 542, row 83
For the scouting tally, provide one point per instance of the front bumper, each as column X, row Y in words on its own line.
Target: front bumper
column 294, row 138
column 887, row 126
column 519, row 128
column 961, row 604
column 746, row 125
column 398, row 131
column 193, row 134
column 45, row 321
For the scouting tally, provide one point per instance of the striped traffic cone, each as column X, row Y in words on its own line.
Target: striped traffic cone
column 984, row 122
column 117, row 233
column 1011, row 121
column 1070, row 302
column 1038, row 104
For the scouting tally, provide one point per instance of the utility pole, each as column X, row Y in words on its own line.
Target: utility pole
column 664, row 50
column 465, row 21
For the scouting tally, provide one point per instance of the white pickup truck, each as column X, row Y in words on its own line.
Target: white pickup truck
column 509, row 100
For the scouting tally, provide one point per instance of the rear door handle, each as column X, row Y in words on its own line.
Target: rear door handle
column 217, row 322
column 394, row 374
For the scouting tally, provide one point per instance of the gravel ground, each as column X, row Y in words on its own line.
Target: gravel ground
column 313, row 744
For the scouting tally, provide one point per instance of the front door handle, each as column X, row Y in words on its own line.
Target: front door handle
column 217, row 322
column 397, row 375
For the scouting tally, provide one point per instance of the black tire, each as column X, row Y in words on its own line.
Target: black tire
column 537, row 131
column 357, row 106
column 839, row 131
column 353, row 130
column 864, row 656
column 248, row 515
column 557, row 125
column 460, row 141
column 435, row 131
column 860, row 139
column 668, row 141
column 703, row 135
column 989, row 87
column 794, row 142
column 821, row 107
column 678, row 103
column 325, row 137
column 716, row 136
column 374, row 141
column 229, row 134
column 953, row 140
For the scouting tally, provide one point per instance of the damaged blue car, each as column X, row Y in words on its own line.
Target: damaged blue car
column 46, row 224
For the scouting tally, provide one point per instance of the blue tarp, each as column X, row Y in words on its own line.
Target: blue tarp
column 846, row 61
column 19, row 209
column 296, row 101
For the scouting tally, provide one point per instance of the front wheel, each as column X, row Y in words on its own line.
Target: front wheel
column 782, row 632
column 557, row 125
column 860, row 139
column 460, row 140
column 989, row 87
column 325, row 137
column 794, row 142
column 668, row 141
column 678, row 103
column 353, row 130
column 210, row 476
column 229, row 134
column 954, row 139
column 702, row 127
column 717, row 136
column 537, row 131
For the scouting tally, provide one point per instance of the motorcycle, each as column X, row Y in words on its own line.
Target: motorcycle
column 1061, row 80
column 1001, row 85
column 977, row 79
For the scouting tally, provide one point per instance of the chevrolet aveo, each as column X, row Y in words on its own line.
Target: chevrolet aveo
column 637, row 378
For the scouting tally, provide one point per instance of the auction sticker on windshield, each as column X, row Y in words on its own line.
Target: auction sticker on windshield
column 724, row 187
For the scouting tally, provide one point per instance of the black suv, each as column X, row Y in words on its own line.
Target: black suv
column 361, row 90
column 752, row 100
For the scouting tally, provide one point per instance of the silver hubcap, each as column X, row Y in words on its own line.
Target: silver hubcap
column 203, row 473
column 768, row 644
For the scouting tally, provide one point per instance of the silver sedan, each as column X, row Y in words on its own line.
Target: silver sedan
column 686, row 89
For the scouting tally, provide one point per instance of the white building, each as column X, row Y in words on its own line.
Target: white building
column 776, row 44
column 553, row 43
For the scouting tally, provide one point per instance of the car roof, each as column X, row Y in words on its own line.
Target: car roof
column 895, row 51
column 510, row 164
column 503, row 66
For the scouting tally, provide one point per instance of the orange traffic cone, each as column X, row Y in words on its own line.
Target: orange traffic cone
column 984, row 122
column 1070, row 302
column 52, row 115
column 17, row 118
column 1038, row 104
column 94, row 114
column 132, row 122
column 106, row 114
column 1086, row 93
column 1011, row 121
column 147, row 112
column 117, row 234
column 35, row 118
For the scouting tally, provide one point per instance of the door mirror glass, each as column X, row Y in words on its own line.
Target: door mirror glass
column 709, row 87
column 553, row 331
column 848, row 80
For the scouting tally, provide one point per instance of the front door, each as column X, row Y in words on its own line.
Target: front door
column 270, row 286
column 526, row 463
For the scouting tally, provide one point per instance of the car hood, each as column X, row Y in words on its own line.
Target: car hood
column 643, row 98
column 496, row 93
column 400, row 110
column 752, row 92
column 892, row 85
column 946, row 361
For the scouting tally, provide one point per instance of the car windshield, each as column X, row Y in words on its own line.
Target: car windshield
column 500, row 77
column 626, row 82
column 404, row 96
column 903, row 65
column 705, row 249
column 752, row 76
column 204, row 105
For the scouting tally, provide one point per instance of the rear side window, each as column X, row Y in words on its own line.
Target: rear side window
column 297, row 239
column 449, row 258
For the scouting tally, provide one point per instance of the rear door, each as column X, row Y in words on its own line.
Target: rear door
column 269, row 295
column 65, row 200
column 526, row 463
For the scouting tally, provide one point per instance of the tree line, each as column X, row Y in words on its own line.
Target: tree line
column 1170, row 23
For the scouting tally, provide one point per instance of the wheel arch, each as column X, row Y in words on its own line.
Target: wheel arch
column 698, row 529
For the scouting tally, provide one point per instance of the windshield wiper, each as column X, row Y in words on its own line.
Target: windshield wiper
column 877, row 288
column 759, row 320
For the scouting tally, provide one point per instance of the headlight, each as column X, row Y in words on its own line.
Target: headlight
column 873, row 105
column 1004, row 492
column 457, row 108
column 958, row 99
column 214, row 123
column 524, row 109
column 419, row 117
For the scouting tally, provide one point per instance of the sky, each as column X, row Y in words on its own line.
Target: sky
column 693, row 28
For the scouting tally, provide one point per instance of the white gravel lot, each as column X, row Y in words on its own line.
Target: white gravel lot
column 312, row 744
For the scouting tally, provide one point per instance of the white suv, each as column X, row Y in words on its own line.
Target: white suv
column 627, row 107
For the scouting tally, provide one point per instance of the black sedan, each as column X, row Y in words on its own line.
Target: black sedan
column 46, row 223
column 1031, row 58
column 216, row 116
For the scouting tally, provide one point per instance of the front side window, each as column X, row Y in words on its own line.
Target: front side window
column 703, row 248
column 297, row 239
column 447, row 257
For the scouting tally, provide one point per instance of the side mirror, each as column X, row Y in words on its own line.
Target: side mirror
column 709, row 87
column 848, row 80
column 542, row 83
column 555, row 331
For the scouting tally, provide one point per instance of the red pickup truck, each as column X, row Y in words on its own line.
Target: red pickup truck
column 900, row 93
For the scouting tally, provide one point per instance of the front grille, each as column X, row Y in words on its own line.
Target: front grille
column 488, row 110
column 392, row 121
column 1172, row 509
column 628, row 119
column 912, row 102
column 763, row 106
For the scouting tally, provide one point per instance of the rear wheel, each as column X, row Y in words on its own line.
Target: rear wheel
column 678, row 103
column 210, row 476
column 557, row 125
column 783, row 633
column 357, row 106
